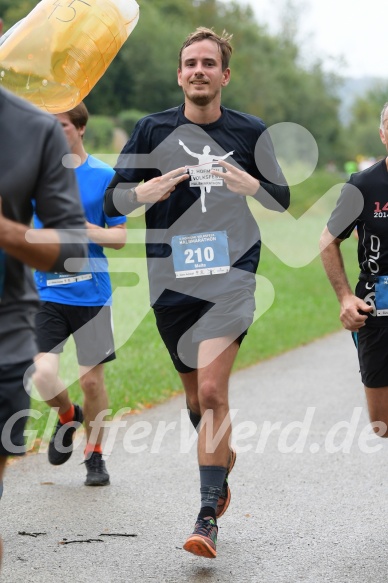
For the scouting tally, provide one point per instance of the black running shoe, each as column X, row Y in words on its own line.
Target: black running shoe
column 96, row 471
column 61, row 442
column 204, row 538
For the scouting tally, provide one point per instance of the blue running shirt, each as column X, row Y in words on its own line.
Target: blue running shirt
column 93, row 287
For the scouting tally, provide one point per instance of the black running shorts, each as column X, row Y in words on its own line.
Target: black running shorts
column 184, row 326
column 91, row 327
column 373, row 356
column 14, row 406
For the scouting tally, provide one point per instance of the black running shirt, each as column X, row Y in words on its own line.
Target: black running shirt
column 363, row 204
column 164, row 141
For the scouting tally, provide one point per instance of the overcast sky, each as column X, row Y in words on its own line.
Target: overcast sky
column 355, row 29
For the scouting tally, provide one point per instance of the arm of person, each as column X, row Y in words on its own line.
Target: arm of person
column 271, row 196
column 113, row 237
column 350, row 304
column 275, row 197
column 37, row 249
column 122, row 198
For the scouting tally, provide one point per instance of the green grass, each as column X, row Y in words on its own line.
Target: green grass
column 304, row 306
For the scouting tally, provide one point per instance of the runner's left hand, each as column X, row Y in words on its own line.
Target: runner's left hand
column 237, row 180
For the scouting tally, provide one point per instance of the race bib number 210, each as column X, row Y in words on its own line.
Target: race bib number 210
column 201, row 254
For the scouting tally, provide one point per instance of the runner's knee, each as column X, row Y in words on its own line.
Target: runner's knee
column 44, row 377
column 91, row 386
column 210, row 396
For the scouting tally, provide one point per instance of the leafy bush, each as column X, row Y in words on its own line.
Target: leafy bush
column 127, row 119
column 99, row 133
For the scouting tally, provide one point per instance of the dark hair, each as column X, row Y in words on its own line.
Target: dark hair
column 78, row 115
column 203, row 33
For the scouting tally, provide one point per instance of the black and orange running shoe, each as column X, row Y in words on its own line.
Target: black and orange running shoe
column 204, row 538
column 61, row 443
column 225, row 496
column 96, row 472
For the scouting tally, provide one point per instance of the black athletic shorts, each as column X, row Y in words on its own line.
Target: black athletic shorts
column 372, row 347
column 14, row 406
column 183, row 327
column 91, row 327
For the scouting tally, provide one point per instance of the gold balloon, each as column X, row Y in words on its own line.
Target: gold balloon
column 55, row 56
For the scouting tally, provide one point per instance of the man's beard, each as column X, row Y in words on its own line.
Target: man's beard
column 200, row 99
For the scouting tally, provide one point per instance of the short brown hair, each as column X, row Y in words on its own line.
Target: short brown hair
column 79, row 115
column 203, row 33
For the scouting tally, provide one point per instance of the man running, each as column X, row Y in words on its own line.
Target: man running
column 202, row 266
column 31, row 173
column 80, row 305
column 363, row 205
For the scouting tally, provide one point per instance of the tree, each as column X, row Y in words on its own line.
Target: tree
column 11, row 11
column 268, row 79
column 364, row 126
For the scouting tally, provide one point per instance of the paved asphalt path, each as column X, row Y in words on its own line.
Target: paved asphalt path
column 309, row 501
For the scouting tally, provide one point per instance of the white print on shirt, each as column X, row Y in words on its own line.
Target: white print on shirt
column 370, row 300
column 200, row 174
column 374, row 254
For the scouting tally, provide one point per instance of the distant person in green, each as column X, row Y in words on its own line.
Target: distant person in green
column 350, row 166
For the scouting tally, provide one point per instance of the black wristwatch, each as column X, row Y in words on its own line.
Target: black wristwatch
column 132, row 195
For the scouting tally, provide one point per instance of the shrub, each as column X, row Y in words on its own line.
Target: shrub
column 127, row 119
column 99, row 133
